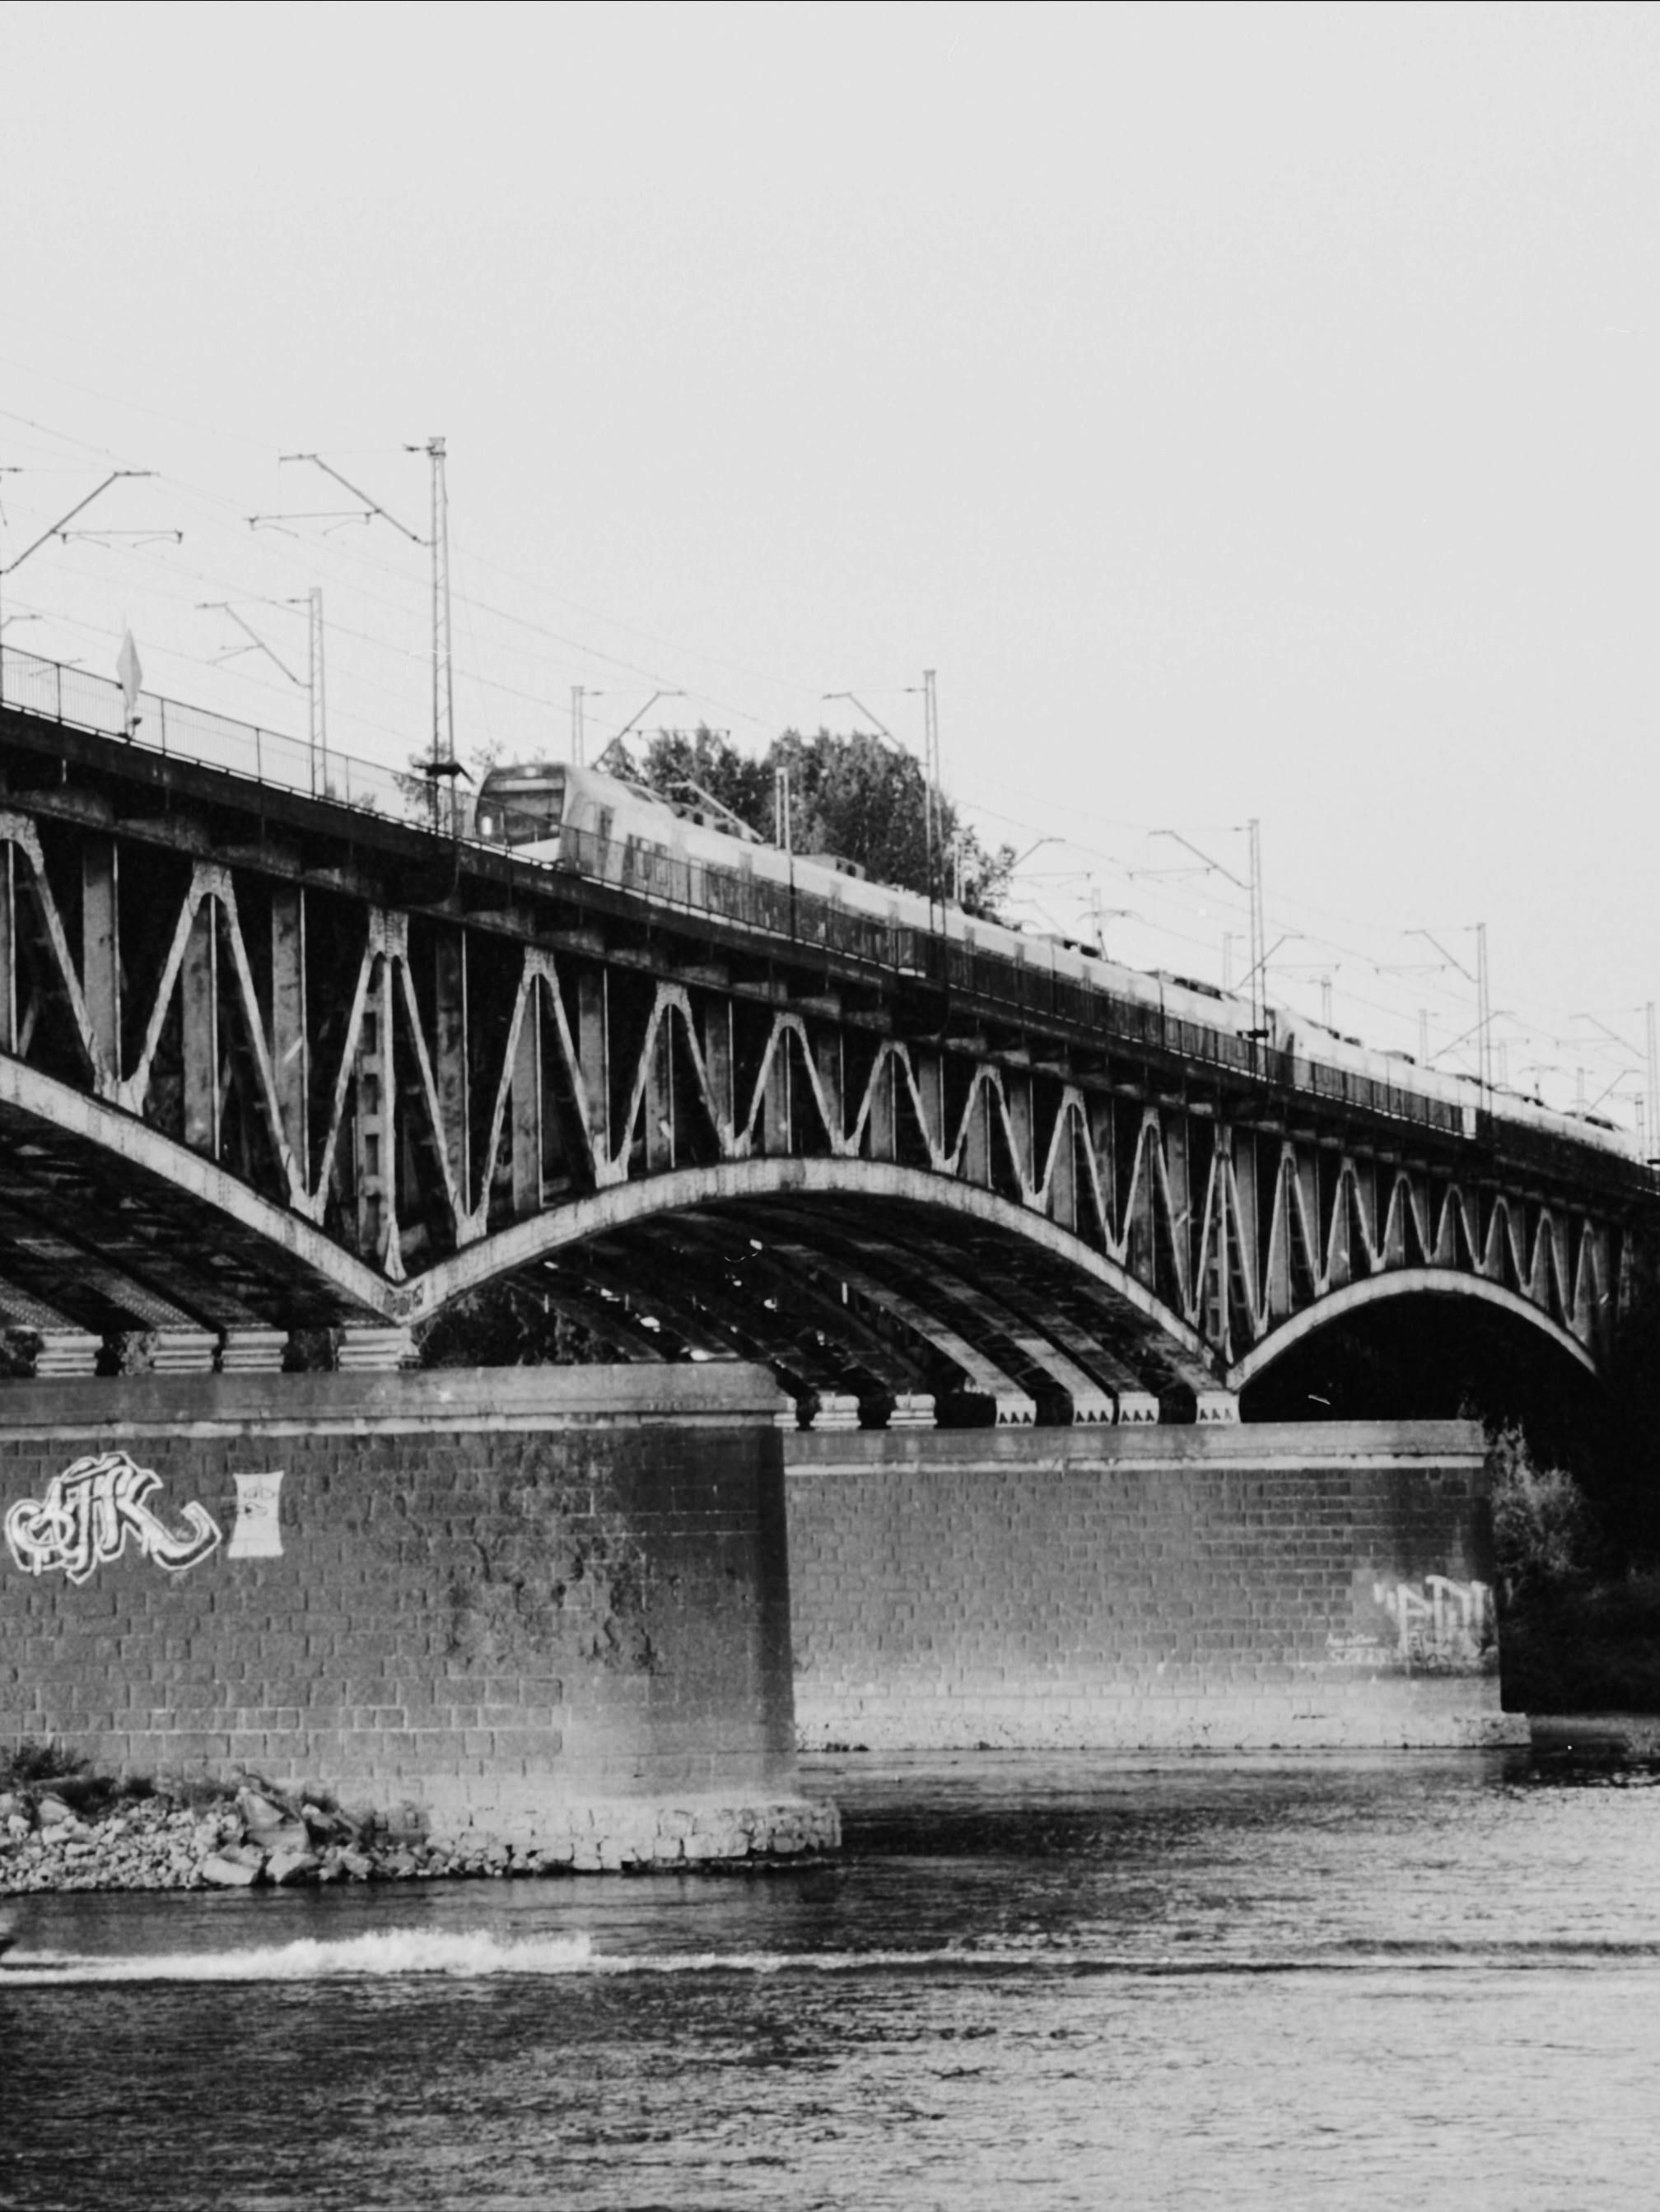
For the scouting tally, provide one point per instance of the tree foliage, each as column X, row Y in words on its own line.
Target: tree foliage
column 1544, row 1531
column 509, row 1322
column 854, row 797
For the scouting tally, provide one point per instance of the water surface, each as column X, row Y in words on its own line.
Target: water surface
column 1088, row 1981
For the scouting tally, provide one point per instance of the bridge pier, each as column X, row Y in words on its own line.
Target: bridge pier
column 1279, row 1585
column 547, row 1605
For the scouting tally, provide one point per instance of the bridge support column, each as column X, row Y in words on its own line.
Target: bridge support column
column 369, row 1351
column 66, row 1352
column 545, row 1606
column 252, row 1351
column 1273, row 1586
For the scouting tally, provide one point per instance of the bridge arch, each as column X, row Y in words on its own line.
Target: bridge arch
column 1483, row 1344
column 90, row 1175
column 966, row 1281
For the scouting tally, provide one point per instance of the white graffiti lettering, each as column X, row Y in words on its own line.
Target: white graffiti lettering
column 1440, row 1622
column 87, row 1514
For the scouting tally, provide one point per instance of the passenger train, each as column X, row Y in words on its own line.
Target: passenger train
column 692, row 851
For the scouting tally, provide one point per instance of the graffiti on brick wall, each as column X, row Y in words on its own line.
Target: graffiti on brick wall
column 1435, row 1624
column 258, row 1531
column 1440, row 1622
column 92, row 1511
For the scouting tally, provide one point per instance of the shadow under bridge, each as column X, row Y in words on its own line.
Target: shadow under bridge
column 875, row 1292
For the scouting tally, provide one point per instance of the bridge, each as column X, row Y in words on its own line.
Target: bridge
column 1130, row 1339
column 280, row 1050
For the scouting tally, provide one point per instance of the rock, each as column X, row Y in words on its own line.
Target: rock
column 268, row 1825
column 285, row 1836
column 287, row 1866
column 357, row 1864
column 323, row 1824
column 225, row 1872
column 52, row 1812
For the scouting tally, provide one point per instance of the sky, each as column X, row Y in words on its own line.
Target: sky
column 1248, row 412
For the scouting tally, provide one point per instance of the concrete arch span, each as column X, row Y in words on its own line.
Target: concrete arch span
column 854, row 1280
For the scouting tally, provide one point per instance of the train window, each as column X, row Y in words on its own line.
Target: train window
column 517, row 806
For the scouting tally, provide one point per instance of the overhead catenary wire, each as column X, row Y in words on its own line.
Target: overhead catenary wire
column 379, row 615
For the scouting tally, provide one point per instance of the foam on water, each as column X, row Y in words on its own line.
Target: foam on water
column 476, row 1954
column 379, row 1953
column 466, row 1954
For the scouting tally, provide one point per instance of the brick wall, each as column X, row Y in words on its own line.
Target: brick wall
column 1290, row 1585
column 504, row 1598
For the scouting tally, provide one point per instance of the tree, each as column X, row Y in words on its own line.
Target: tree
column 681, row 764
column 853, row 796
column 509, row 1322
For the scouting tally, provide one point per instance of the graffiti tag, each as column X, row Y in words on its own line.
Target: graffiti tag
column 1440, row 1622
column 90, row 1510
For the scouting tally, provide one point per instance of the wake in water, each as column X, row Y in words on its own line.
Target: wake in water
column 463, row 1955
column 476, row 1954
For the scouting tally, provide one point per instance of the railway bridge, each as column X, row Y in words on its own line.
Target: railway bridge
column 1119, row 1345
column 275, row 1058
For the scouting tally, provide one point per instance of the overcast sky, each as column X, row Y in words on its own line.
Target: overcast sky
column 1247, row 411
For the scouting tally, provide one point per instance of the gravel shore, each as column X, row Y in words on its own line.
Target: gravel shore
column 70, row 1836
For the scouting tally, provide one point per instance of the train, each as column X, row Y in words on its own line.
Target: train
column 691, row 850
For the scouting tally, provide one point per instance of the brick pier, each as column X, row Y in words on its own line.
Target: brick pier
column 1278, row 1585
column 548, row 1605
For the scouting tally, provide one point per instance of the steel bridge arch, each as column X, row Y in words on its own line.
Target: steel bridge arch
column 685, row 1190
column 1398, row 1283
column 63, row 1116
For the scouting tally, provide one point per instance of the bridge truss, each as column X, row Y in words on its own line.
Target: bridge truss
column 270, row 1062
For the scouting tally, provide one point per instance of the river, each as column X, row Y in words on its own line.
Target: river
column 1057, row 1981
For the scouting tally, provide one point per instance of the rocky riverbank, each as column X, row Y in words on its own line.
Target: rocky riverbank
column 73, row 1834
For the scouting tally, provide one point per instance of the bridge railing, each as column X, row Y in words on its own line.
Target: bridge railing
column 169, row 727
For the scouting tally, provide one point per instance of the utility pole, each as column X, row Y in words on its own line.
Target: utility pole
column 316, row 717
column 576, row 737
column 1258, row 941
column 443, row 766
column 319, row 713
column 443, row 663
column 1484, row 1016
column 1654, row 1071
column 932, row 799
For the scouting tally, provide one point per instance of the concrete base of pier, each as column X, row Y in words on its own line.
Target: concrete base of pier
column 1271, row 1586
column 549, row 1607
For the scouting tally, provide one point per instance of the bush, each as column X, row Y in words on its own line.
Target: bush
column 1543, row 1529
column 1587, row 1649
column 38, row 1760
